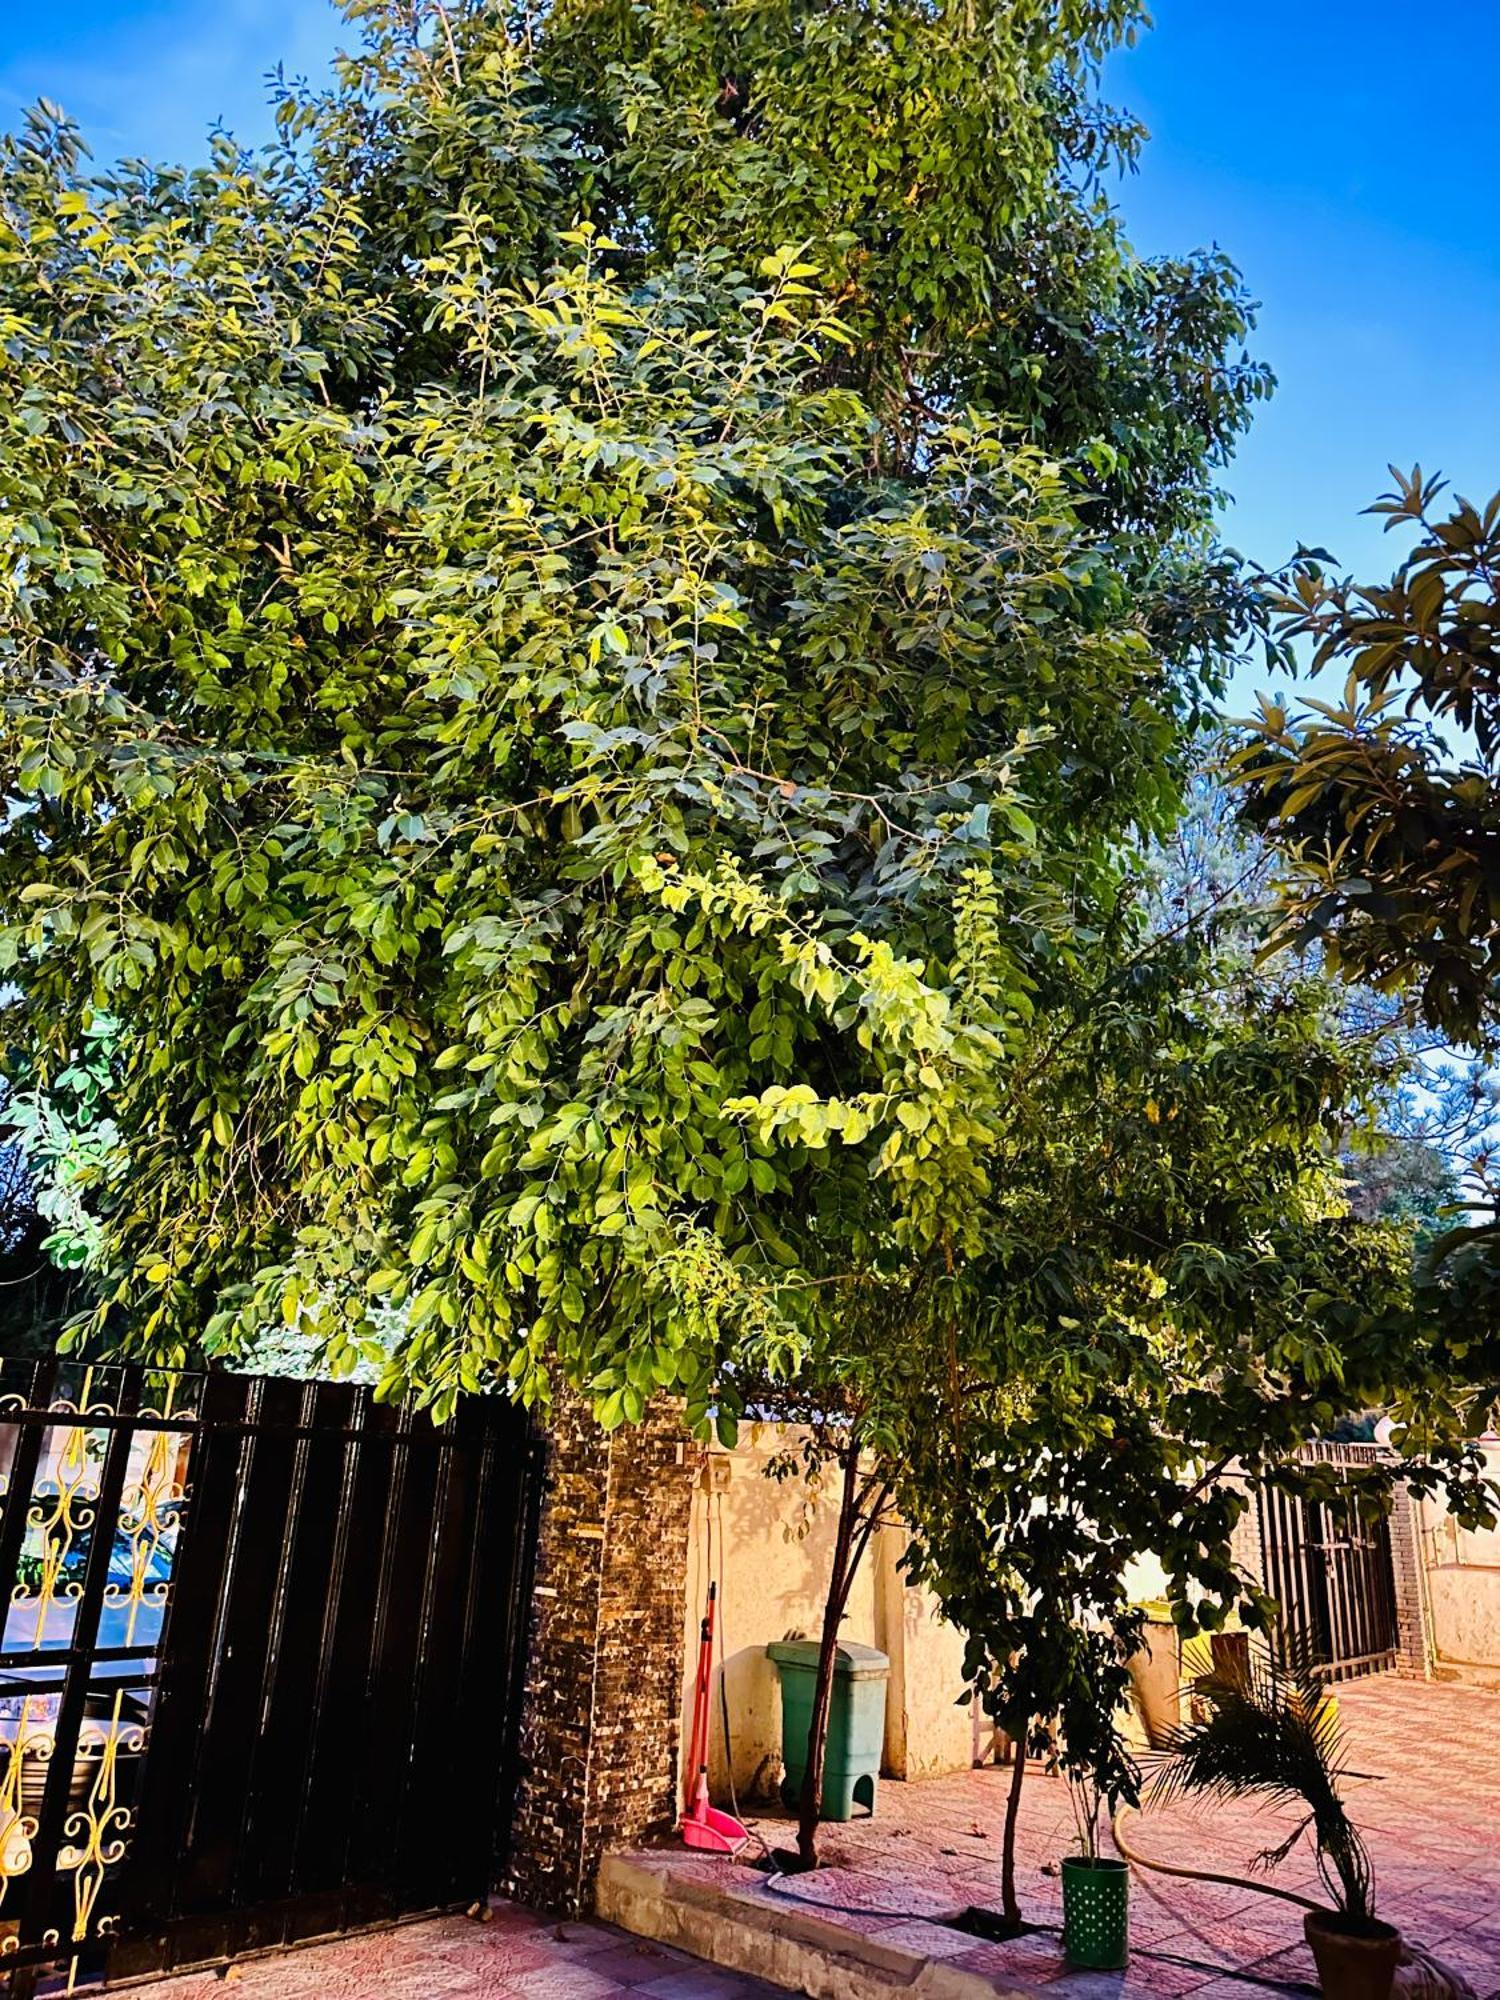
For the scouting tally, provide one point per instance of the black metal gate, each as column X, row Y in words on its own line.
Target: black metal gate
column 261, row 1663
column 1329, row 1568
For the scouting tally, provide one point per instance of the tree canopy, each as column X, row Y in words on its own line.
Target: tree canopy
column 568, row 705
column 1385, row 798
column 589, row 646
column 1384, row 804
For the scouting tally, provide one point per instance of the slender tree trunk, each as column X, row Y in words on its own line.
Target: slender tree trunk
column 811, row 1803
column 1009, row 1902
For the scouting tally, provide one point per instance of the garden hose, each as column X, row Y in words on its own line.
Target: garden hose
column 1138, row 1860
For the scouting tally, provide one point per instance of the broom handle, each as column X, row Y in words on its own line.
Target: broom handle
column 706, row 1678
column 698, row 1738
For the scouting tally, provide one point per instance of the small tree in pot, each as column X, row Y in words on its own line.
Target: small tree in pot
column 1095, row 1891
column 1095, row 1885
column 1267, row 1728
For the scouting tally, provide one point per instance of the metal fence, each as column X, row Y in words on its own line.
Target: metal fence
column 261, row 1664
column 1329, row 1568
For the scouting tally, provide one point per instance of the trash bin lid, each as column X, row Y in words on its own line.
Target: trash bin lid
column 851, row 1663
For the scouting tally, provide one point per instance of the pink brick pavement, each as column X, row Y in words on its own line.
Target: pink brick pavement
column 1427, row 1796
column 515, row 1956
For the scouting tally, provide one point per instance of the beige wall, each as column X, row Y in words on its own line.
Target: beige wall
column 1462, row 1576
column 769, row 1544
column 928, row 1728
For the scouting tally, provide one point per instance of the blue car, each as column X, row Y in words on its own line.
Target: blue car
column 132, row 1613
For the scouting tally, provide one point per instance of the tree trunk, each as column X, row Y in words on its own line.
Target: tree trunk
column 1009, row 1902
column 810, row 1805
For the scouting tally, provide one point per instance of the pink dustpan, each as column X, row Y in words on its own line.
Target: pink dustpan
column 720, row 1832
column 703, row 1825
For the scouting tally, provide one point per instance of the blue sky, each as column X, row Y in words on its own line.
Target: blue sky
column 1340, row 150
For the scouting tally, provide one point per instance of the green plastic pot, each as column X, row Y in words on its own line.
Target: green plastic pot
column 1096, row 1913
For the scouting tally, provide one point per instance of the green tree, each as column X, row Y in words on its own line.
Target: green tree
column 533, row 734
column 1173, row 1287
column 59, row 1154
column 947, row 164
column 1434, row 1117
column 1384, row 806
column 1384, row 800
column 35, row 1297
column 1403, row 1179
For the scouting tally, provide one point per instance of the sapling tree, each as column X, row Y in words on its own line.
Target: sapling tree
column 1173, row 1285
column 832, row 1446
column 1144, row 1269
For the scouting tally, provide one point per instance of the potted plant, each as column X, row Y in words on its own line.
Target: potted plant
column 1266, row 1728
column 1095, row 1888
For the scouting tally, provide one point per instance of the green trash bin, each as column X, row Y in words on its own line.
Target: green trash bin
column 856, row 1723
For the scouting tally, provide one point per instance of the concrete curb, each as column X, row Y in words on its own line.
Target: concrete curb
column 793, row 1948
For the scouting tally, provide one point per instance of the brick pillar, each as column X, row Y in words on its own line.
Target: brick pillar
column 1246, row 1543
column 599, row 1728
column 1413, row 1640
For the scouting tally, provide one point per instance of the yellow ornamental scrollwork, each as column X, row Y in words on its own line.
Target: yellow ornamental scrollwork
column 96, row 1834
column 84, row 1404
column 61, row 1438
column 59, row 1517
column 148, row 1526
column 166, row 1409
column 27, row 1756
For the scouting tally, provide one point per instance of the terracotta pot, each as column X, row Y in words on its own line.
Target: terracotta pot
column 1356, row 1956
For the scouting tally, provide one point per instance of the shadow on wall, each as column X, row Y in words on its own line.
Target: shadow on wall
column 749, row 1682
column 769, row 1544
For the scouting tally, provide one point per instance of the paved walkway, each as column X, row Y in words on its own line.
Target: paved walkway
column 1427, row 1796
column 515, row 1956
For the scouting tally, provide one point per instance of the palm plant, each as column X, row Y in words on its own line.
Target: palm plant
column 1266, row 1727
